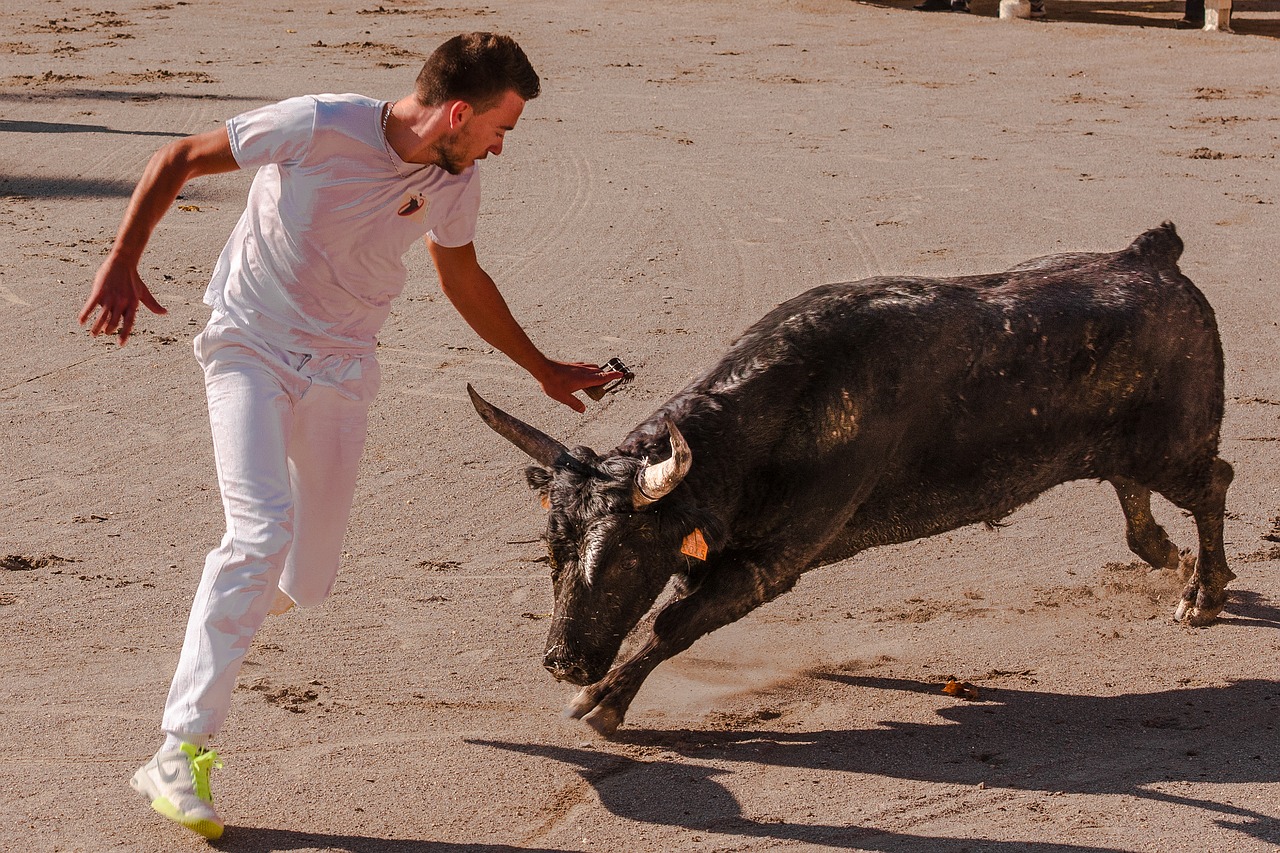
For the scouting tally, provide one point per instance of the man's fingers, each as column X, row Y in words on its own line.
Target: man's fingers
column 117, row 319
column 115, row 296
column 100, row 322
column 605, row 378
column 148, row 300
column 87, row 310
column 106, row 323
column 126, row 326
column 111, row 321
column 578, row 376
column 571, row 401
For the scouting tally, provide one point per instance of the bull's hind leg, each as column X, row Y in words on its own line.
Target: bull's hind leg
column 1146, row 537
column 1204, row 496
column 1206, row 590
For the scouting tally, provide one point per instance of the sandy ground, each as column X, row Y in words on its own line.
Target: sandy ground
column 690, row 165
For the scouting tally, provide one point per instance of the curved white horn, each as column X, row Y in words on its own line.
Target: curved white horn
column 656, row 481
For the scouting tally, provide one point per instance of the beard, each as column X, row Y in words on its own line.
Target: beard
column 450, row 156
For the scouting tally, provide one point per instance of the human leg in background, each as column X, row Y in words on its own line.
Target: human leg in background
column 1192, row 16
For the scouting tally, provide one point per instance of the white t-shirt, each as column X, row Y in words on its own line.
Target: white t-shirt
column 317, row 256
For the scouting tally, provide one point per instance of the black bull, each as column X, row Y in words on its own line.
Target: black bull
column 878, row 412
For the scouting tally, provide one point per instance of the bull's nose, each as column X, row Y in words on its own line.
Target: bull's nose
column 562, row 670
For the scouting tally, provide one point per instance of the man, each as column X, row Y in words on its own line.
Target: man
column 345, row 186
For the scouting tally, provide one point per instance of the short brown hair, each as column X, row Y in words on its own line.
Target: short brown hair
column 477, row 68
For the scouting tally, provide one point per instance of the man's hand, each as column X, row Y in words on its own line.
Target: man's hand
column 117, row 290
column 562, row 379
column 477, row 299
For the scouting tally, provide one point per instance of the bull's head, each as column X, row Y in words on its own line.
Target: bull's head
column 611, row 551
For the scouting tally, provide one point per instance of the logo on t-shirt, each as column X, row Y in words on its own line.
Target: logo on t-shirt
column 413, row 205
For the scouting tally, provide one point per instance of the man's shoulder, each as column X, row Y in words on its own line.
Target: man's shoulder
column 349, row 103
column 349, row 116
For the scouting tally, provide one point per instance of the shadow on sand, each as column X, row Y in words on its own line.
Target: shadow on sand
column 80, row 93
column 1014, row 739
column 10, row 126
column 255, row 840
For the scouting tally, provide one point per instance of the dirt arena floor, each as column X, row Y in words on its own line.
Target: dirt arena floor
column 689, row 165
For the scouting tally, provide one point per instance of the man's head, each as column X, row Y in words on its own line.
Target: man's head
column 478, row 68
column 479, row 83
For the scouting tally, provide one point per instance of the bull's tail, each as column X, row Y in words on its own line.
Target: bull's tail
column 1161, row 245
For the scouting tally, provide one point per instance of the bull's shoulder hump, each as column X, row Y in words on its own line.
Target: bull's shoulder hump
column 861, row 307
column 1161, row 244
column 1160, row 247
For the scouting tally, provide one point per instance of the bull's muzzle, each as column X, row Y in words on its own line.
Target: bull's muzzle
column 565, row 670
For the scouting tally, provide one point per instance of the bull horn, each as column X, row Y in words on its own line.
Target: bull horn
column 656, row 481
column 538, row 445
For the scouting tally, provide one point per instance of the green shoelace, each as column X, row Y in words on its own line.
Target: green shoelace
column 202, row 761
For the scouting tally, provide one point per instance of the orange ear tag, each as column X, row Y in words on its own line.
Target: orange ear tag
column 694, row 545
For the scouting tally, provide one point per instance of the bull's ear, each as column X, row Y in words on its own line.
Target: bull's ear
column 539, row 478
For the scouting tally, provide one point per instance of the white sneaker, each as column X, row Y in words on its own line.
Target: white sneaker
column 177, row 784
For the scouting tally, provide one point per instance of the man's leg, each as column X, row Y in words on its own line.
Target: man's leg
column 329, row 429
column 251, row 413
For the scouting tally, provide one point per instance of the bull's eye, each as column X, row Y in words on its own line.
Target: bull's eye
column 553, row 561
column 560, row 553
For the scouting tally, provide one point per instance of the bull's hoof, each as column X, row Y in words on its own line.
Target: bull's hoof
column 586, row 707
column 582, row 704
column 1199, row 607
column 604, row 720
column 1196, row 616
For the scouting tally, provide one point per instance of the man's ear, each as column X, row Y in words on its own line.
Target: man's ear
column 459, row 112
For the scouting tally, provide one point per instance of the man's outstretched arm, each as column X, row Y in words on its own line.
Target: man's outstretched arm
column 478, row 300
column 117, row 288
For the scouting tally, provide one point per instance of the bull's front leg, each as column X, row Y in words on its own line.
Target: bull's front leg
column 732, row 588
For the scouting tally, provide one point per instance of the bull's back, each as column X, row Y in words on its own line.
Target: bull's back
column 1100, row 366
column 963, row 398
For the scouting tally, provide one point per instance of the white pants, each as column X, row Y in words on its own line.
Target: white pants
column 288, row 432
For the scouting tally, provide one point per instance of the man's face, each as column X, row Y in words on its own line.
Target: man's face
column 480, row 134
